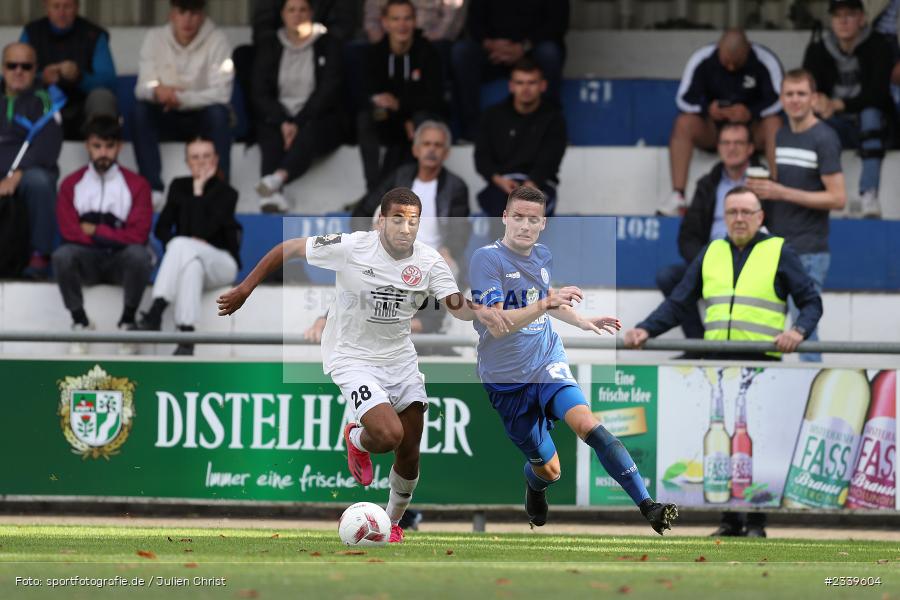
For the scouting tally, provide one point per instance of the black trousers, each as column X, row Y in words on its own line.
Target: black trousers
column 76, row 265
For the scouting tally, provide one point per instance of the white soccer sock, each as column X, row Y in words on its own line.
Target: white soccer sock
column 355, row 435
column 400, row 496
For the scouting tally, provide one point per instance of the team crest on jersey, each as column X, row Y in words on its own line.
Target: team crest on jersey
column 327, row 240
column 545, row 276
column 96, row 412
column 532, row 296
column 411, row 275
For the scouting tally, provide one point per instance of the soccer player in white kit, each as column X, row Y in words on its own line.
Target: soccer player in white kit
column 383, row 277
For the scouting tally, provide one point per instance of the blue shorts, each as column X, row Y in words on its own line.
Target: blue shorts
column 528, row 414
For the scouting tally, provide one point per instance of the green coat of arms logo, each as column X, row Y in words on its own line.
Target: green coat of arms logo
column 95, row 412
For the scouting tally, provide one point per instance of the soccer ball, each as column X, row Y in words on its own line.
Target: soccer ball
column 364, row 524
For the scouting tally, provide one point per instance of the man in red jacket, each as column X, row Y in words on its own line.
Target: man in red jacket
column 104, row 213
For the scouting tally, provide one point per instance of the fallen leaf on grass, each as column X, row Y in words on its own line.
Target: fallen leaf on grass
column 644, row 558
column 626, row 558
column 275, row 536
column 302, row 550
column 700, row 559
column 624, row 590
column 765, row 573
column 188, row 550
column 222, row 535
column 718, row 542
column 188, row 540
column 146, row 554
column 573, row 571
column 449, row 552
column 248, row 594
column 883, row 561
column 170, row 539
column 599, row 585
column 191, row 565
column 503, row 581
column 352, row 552
column 763, row 559
column 375, row 560
column 315, row 554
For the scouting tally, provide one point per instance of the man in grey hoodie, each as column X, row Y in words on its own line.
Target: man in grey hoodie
column 184, row 86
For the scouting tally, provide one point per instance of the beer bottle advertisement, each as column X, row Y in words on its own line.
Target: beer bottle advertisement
column 826, row 450
column 874, row 481
column 716, row 447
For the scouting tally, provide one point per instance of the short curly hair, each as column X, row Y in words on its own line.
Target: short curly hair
column 399, row 195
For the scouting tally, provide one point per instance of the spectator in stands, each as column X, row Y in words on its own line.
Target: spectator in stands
column 884, row 16
column 852, row 68
column 441, row 22
column 104, row 212
column 201, row 238
column 809, row 184
column 445, row 196
column 298, row 103
column 745, row 279
column 405, row 88
column 501, row 33
column 340, row 17
column 73, row 54
column 732, row 81
column 183, row 89
column 705, row 217
column 33, row 181
column 521, row 142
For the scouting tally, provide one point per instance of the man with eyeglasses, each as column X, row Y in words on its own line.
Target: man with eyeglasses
column 745, row 280
column 33, row 182
column 705, row 217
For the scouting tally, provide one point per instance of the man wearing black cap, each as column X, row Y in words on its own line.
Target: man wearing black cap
column 852, row 68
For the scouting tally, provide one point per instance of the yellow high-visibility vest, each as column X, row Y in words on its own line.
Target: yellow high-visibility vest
column 749, row 309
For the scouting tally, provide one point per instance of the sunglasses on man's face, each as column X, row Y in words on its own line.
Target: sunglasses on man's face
column 12, row 66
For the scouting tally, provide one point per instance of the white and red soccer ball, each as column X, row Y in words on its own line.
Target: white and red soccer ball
column 364, row 524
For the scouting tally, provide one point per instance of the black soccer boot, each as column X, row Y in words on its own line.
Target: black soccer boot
column 536, row 506
column 660, row 516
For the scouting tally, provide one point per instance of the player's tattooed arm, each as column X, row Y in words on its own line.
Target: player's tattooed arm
column 598, row 325
column 520, row 317
column 233, row 299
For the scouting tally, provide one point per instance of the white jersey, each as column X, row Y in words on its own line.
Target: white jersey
column 377, row 297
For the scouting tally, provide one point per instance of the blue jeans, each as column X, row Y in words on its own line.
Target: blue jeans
column 38, row 189
column 152, row 125
column 471, row 68
column 865, row 132
column 816, row 265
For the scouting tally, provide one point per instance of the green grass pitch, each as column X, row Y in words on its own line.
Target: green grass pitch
column 291, row 563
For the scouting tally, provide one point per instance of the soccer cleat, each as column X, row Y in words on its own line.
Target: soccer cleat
column 396, row 534
column 536, row 506
column 359, row 462
column 659, row 515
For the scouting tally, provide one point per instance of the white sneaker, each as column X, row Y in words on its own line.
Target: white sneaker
column 128, row 348
column 80, row 348
column 269, row 185
column 276, row 203
column 159, row 200
column 672, row 206
column 870, row 208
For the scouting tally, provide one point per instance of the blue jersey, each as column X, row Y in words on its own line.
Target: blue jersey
column 534, row 354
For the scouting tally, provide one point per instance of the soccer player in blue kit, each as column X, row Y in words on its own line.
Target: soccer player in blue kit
column 525, row 369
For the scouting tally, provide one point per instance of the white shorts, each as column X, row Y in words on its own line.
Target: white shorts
column 365, row 386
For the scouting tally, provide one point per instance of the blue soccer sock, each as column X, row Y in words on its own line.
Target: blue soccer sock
column 535, row 481
column 617, row 462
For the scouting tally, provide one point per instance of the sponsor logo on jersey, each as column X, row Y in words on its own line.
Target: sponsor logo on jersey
column 386, row 304
column 411, row 275
column 369, row 273
column 545, row 276
column 515, row 275
column 327, row 240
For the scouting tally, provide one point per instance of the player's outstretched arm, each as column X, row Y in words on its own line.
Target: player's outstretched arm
column 465, row 310
column 520, row 317
column 598, row 325
column 234, row 298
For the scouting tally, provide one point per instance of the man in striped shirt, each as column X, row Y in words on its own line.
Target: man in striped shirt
column 809, row 182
